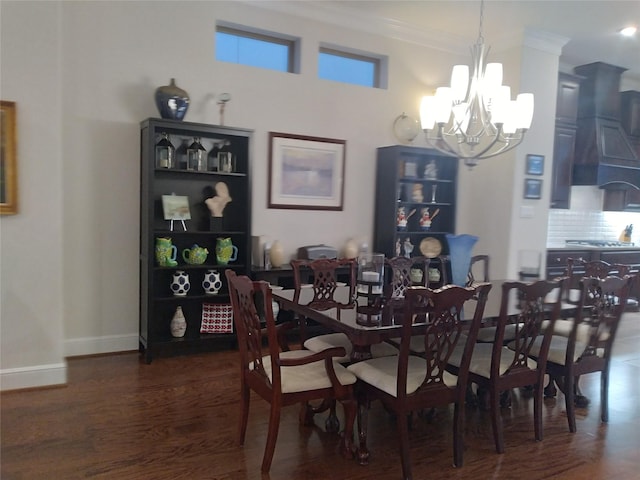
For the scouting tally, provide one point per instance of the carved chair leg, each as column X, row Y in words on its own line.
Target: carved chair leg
column 332, row 424
column 245, row 397
column 505, row 399
column 604, row 395
column 470, row 398
column 537, row 412
column 550, row 390
column 272, row 437
column 305, row 417
column 496, row 419
column 569, row 392
column 350, row 412
column 363, row 414
column 458, row 434
column 581, row 401
column 403, row 433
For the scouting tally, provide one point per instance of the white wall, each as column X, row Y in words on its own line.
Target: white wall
column 86, row 84
column 31, row 256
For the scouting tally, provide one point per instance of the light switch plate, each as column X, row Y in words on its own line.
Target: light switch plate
column 526, row 211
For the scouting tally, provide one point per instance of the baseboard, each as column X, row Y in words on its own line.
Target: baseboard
column 74, row 347
column 30, row 377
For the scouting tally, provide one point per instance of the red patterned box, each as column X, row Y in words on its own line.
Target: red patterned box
column 216, row 318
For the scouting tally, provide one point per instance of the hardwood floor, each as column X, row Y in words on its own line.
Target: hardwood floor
column 176, row 418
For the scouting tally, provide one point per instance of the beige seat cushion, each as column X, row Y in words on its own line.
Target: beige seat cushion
column 416, row 343
column 558, row 349
column 382, row 373
column 312, row 376
column 481, row 359
column 563, row 328
column 488, row 334
column 331, row 340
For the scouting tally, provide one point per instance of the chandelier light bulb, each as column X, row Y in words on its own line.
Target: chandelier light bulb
column 428, row 112
column 459, row 82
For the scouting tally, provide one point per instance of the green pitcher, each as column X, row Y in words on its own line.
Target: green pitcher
column 226, row 251
column 166, row 252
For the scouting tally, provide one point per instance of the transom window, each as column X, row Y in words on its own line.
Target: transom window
column 348, row 66
column 256, row 48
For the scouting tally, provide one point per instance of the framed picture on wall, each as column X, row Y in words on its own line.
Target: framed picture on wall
column 535, row 164
column 306, row 172
column 532, row 188
column 8, row 159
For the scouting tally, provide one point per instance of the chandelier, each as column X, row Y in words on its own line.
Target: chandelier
column 474, row 117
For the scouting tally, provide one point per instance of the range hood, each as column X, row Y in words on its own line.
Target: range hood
column 604, row 156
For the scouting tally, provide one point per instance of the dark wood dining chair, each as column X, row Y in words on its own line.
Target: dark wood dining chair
column 497, row 368
column 588, row 347
column 406, row 383
column 479, row 267
column 402, row 273
column 325, row 285
column 323, row 274
column 282, row 378
column 564, row 326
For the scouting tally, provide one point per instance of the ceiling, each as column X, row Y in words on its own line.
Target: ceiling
column 589, row 26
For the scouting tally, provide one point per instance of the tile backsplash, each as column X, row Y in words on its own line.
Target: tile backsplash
column 586, row 220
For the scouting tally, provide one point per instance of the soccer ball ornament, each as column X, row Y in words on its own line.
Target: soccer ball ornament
column 211, row 283
column 180, row 283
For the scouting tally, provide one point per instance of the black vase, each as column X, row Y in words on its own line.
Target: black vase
column 172, row 101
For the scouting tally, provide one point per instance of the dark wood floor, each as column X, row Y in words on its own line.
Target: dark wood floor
column 119, row 418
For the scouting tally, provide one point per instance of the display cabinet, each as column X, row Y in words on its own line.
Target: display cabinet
column 415, row 202
column 195, row 215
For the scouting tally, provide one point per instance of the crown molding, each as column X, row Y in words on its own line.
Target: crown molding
column 363, row 21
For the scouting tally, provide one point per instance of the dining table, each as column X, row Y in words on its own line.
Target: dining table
column 366, row 325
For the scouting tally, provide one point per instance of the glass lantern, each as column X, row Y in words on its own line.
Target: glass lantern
column 196, row 156
column 370, row 274
column 226, row 161
column 165, row 153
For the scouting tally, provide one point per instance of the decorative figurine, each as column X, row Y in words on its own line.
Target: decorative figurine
column 217, row 203
column 408, row 247
column 416, row 194
column 402, row 218
column 398, row 248
column 431, row 170
column 426, row 218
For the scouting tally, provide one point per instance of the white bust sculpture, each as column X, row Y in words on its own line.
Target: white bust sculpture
column 217, row 203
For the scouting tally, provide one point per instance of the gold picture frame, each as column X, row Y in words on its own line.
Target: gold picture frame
column 8, row 159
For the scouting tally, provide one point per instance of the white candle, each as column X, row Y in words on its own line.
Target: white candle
column 370, row 276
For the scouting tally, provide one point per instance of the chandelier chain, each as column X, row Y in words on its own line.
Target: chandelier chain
column 480, row 36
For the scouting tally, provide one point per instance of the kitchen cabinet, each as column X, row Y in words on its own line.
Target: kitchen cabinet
column 618, row 200
column 564, row 144
column 557, row 261
column 158, row 280
column 564, row 139
column 627, row 199
column 415, row 204
column 630, row 112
